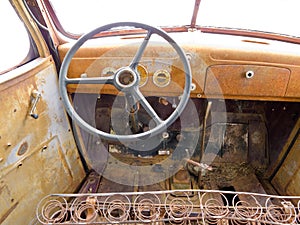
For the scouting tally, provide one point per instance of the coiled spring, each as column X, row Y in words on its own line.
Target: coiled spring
column 172, row 207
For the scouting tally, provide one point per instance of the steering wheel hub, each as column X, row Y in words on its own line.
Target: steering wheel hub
column 125, row 78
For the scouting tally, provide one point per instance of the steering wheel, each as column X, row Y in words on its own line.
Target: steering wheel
column 126, row 80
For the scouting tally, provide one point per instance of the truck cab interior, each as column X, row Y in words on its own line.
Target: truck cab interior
column 158, row 112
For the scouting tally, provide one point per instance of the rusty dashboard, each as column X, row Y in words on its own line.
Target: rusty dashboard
column 267, row 70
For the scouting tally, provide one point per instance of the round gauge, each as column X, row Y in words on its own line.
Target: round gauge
column 161, row 78
column 143, row 75
column 108, row 71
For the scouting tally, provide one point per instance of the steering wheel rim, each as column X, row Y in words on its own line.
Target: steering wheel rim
column 161, row 125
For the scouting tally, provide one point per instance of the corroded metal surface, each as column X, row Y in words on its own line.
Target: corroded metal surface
column 232, row 77
column 37, row 156
column 91, row 183
column 193, row 206
column 287, row 178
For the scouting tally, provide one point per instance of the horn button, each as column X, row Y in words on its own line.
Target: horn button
column 125, row 78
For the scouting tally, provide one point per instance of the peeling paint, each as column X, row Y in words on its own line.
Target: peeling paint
column 33, row 151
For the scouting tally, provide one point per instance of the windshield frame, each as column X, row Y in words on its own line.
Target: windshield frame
column 184, row 28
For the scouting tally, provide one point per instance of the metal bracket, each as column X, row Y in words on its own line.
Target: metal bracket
column 35, row 97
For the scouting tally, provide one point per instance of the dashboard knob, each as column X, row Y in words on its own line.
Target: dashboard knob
column 249, row 74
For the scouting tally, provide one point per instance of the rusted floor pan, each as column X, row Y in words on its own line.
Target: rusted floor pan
column 233, row 190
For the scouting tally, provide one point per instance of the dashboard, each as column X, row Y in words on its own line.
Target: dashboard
column 222, row 66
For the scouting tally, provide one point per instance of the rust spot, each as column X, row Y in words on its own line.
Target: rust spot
column 181, row 177
column 23, row 149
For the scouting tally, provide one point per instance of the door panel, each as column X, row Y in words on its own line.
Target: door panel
column 38, row 156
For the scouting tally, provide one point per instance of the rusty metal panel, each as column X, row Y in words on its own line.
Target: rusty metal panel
column 287, row 179
column 38, row 156
column 247, row 80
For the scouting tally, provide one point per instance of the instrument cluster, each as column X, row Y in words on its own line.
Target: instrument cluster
column 160, row 75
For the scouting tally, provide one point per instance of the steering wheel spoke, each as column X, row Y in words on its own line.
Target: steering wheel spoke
column 90, row 80
column 149, row 109
column 140, row 51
